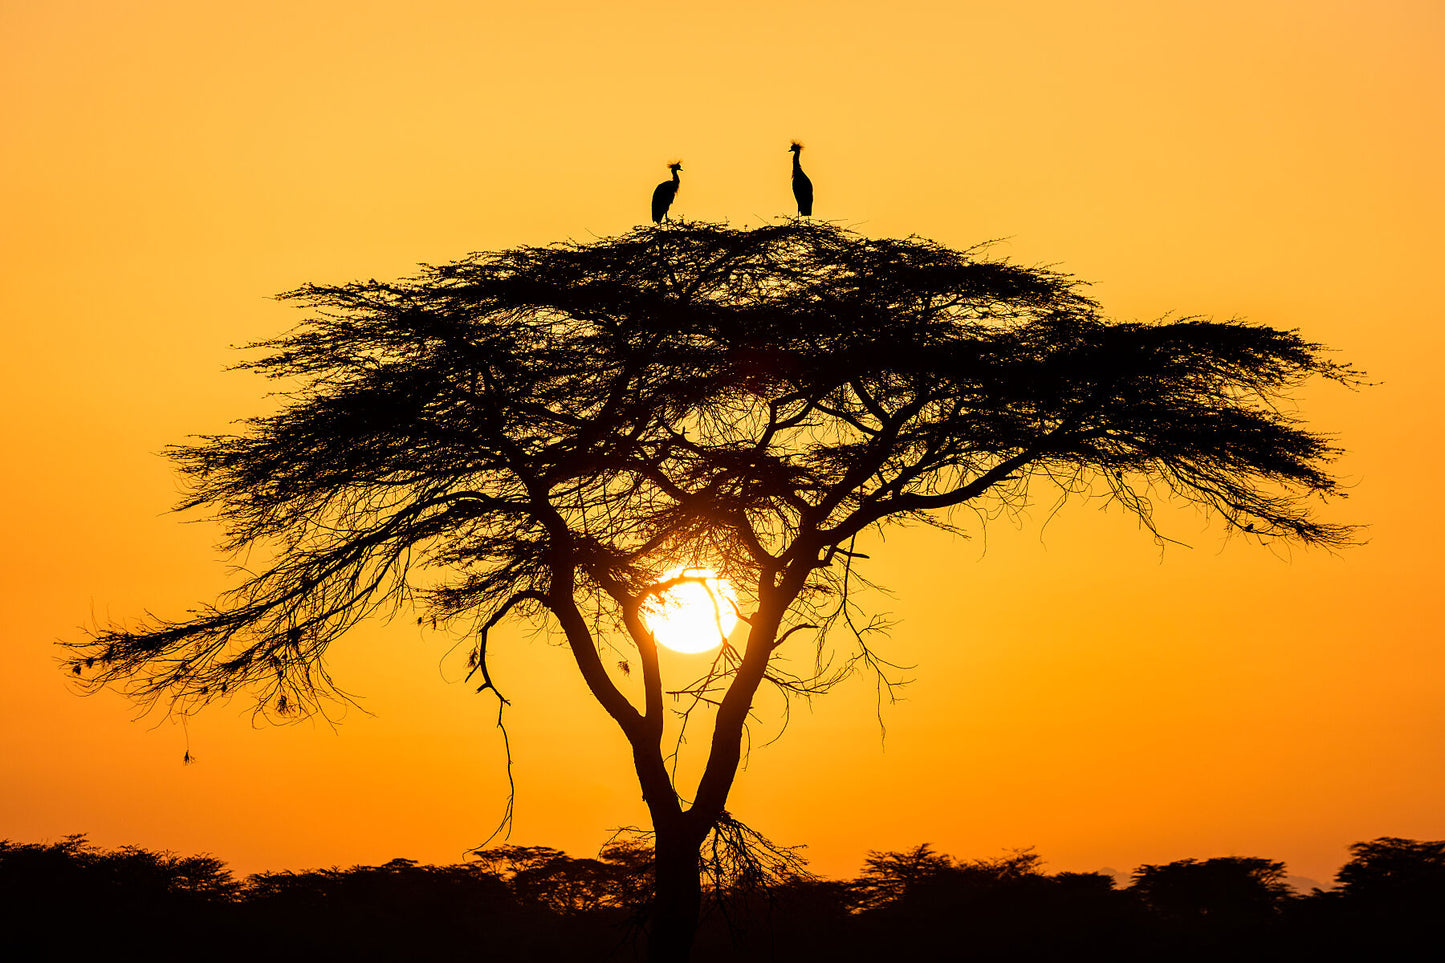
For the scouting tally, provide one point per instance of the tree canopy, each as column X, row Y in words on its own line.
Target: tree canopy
column 749, row 400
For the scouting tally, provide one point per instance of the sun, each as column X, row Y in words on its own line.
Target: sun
column 692, row 616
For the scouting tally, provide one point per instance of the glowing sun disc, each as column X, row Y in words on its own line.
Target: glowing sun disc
column 691, row 616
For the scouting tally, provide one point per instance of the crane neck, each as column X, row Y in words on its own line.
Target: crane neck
column 797, row 167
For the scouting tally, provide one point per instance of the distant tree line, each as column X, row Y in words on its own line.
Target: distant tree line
column 71, row 899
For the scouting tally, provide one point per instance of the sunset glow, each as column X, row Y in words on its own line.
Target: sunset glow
column 692, row 616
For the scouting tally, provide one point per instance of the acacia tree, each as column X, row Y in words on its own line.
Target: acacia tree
column 543, row 433
column 1225, row 890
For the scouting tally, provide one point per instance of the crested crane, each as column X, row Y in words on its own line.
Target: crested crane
column 802, row 187
column 663, row 194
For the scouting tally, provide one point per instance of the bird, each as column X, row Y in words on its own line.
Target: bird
column 802, row 187
column 663, row 194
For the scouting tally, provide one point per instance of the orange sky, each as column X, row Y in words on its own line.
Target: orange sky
column 169, row 166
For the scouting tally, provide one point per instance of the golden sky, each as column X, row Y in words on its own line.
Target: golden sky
column 166, row 167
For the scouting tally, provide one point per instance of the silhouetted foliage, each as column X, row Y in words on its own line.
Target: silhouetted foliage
column 1001, row 908
column 1390, row 899
column 395, row 911
column 893, row 876
column 70, row 900
column 1203, row 909
column 1390, row 870
column 620, row 878
column 66, row 899
column 1227, row 890
column 544, row 432
column 129, row 872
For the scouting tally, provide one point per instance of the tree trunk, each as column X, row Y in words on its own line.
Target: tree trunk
column 677, row 902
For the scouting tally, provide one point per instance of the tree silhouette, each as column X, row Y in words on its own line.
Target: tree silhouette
column 621, row 878
column 1226, row 890
column 71, row 900
column 1389, row 898
column 893, row 876
column 545, row 432
column 1391, row 870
